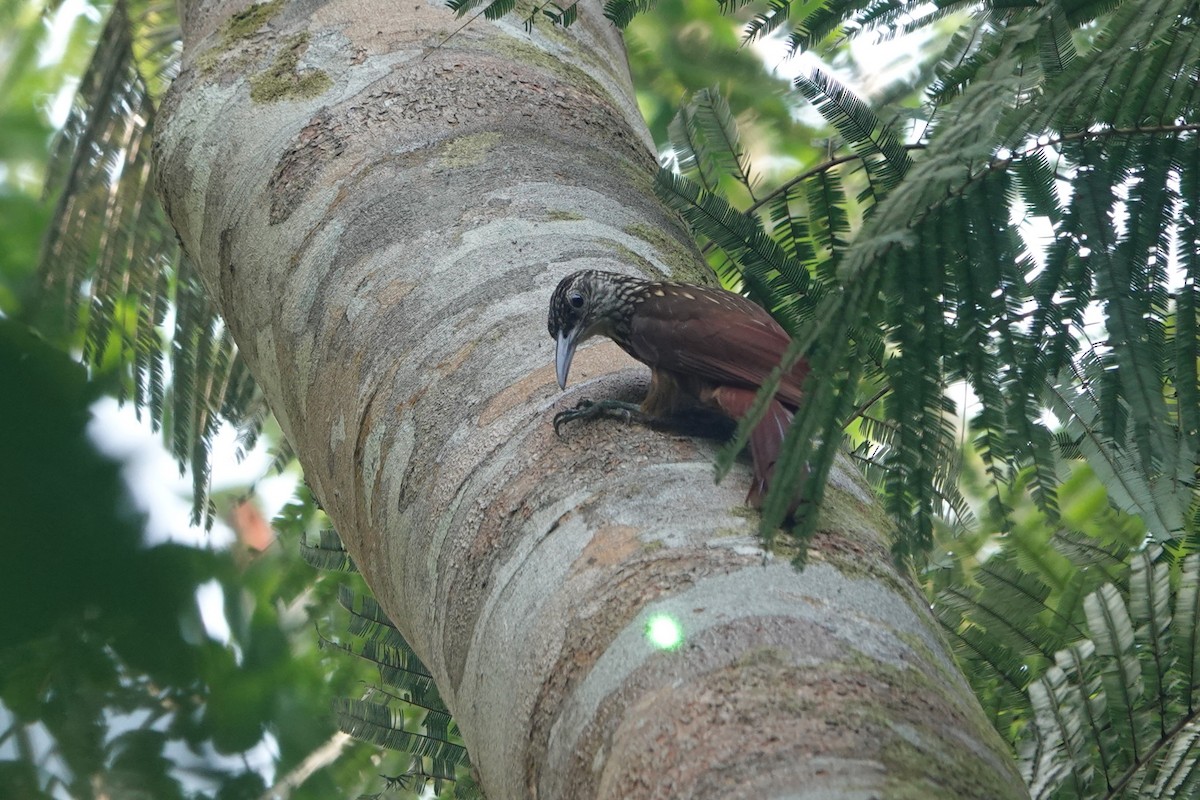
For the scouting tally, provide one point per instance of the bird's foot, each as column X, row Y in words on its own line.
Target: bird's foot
column 597, row 409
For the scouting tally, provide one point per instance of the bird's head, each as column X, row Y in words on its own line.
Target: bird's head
column 584, row 304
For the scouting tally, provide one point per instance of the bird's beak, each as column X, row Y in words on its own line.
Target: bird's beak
column 563, row 354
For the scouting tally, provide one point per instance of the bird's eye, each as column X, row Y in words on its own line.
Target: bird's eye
column 576, row 300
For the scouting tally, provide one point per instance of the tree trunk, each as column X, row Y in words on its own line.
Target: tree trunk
column 381, row 210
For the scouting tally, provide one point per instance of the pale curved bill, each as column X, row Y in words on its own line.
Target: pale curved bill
column 563, row 354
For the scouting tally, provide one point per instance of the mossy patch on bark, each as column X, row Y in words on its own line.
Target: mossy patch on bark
column 648, row 267
column 282, row 80
column 244, row 23
column 682, row 264
column 469, row 150
column 241, row 25
column 911, row 733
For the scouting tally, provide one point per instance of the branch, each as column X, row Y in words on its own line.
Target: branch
column 819, row 168
column 320, row 758
column 1117, row 788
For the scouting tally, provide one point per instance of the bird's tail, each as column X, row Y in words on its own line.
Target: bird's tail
column 766, row 439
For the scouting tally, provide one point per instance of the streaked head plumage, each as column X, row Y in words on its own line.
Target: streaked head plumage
column 584, row 304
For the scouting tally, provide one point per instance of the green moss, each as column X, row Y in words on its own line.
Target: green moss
column 241, row 25
column 927, row 655
column 627, row 256
column 207, row 61
column 682, row 264
column 638, row 173
column 651, row 547
column 564, row 216
column 467, row 151
column 281, row 80
column 963, row 774
column 764, row 656
column 728, row 533
column 853, row 546
column 572, row 75
column 244, row 23
column 853, row 566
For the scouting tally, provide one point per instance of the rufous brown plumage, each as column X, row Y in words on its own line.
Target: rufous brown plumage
column 705, row 347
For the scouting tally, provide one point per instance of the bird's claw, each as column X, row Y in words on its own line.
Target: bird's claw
column 594, row 409
column 580, row 411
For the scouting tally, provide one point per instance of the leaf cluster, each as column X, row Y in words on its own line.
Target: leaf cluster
column 403, row 711
column 1080, row 644
column 111, row 684
column 1030, row 234
column 112, row 281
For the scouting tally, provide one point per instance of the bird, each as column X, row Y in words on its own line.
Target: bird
column 707, row 349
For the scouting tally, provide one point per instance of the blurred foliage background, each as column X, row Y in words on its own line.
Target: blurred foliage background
column 111, row 682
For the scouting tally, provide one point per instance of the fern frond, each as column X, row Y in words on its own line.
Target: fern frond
column 622, row 12
column 1112, row 631
column 986, row 611
column 110, row 267
column 767, row 22
column 328, row 553
column 760, row 259
column 1149, row 605
column 1087, row 553
column 1065, row 746
column 1185, row 639
column 1186, row 335
column 363, row 607
column 1035, row 179
column 463, row 7
column 1055, row 47
column 380, row 724
column 828, row 219
column 1111, row 450
column 689, row 150
column 985, row 652
column 565, row 16
column 496, row 8
column 715, row 120
column 881, row 150
column 1176, row 773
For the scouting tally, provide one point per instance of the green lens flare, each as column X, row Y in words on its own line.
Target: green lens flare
column 664, row 632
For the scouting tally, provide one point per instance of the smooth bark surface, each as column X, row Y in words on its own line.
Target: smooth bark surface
column 381, row 215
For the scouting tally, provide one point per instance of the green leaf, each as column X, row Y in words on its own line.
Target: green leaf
column 1112, row 631
column 876, row 144
column 622, row 12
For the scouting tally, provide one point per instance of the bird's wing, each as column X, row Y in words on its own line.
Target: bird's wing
column 719, row 336
column 766, row 440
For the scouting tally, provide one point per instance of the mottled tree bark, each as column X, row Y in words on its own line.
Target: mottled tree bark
column 380, row 215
